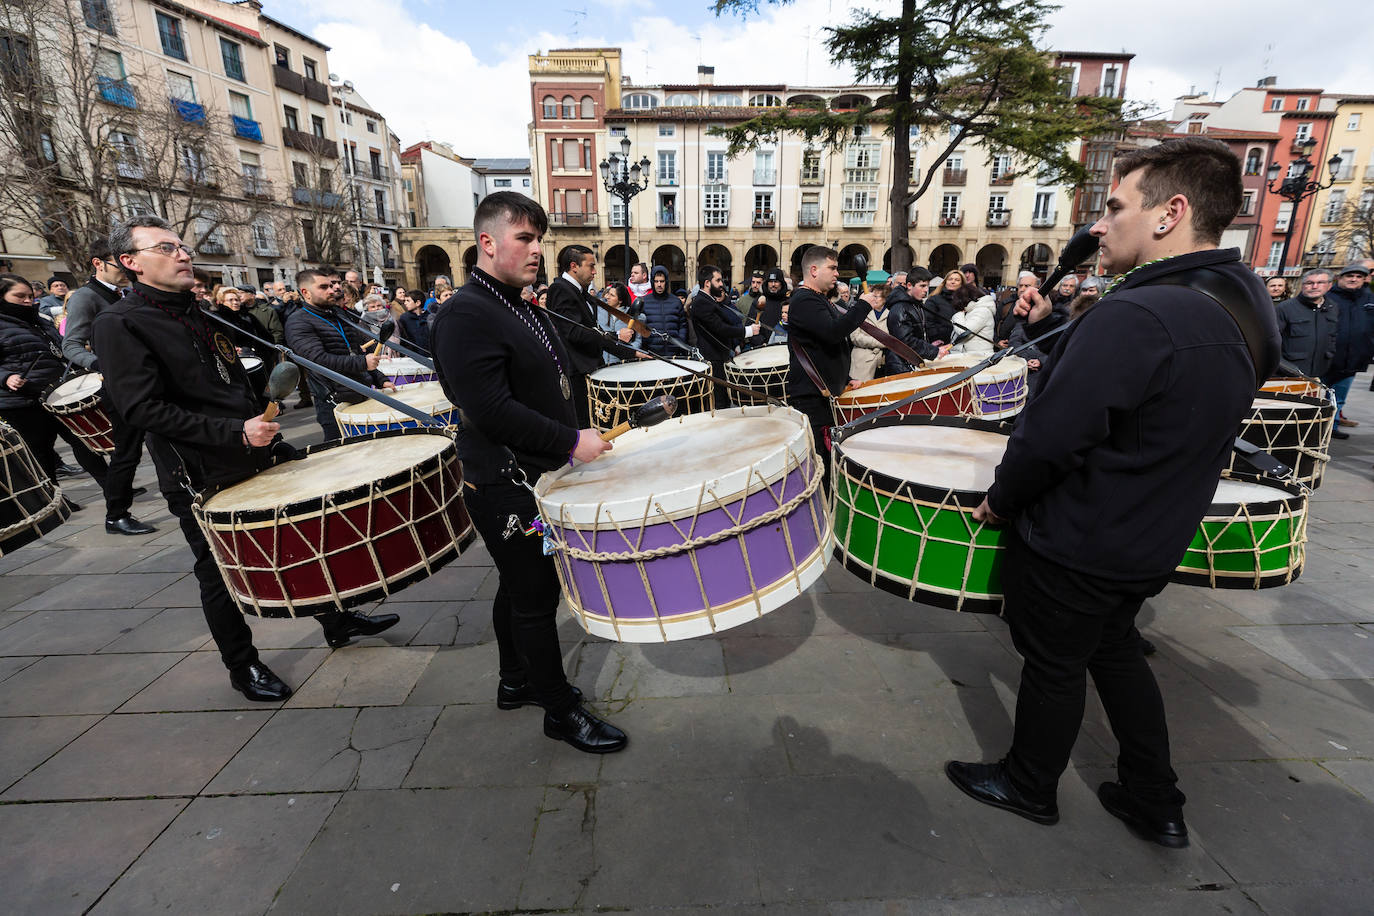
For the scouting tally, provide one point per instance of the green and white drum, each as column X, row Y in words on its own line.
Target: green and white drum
column 904, row 493
column 1254, row 535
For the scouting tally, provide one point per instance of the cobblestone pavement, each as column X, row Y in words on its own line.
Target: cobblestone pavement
column 791, row 765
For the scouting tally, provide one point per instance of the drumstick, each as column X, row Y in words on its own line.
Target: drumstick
column 650, row 413
column 386, row 329
column 283, row 380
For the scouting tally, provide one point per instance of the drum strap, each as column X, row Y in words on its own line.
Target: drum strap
column 1263, row 462
column 895, row 344
column 1228, row 294
column 804, row 360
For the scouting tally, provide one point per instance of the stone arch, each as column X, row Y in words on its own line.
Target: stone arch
column 674, row 260
column 944, row 258
column 887, row 258
column 1037, row 258
column 716, row 256
column 847, row 266
column 614, row 267
column 797, row 254
column 469, row 261
column 760, row 257
column 992, row 266
column 431, row 261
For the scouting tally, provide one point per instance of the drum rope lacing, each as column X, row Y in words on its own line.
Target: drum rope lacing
column 1256, row 547
column 23, row 456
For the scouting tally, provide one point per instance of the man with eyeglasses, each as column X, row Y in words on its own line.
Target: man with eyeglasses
column 320, row 331
column 1307, row 324
column 102, row 290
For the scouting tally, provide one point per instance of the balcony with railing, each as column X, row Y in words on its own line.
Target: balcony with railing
column 116, row 91
column 563, row 218
column 715, row 218
column 999, row 219
column 129, row 166
column 256, row 187
column 1043, row 220
column 288, row 79
column 1281, row 223
column 810, row 218
column 309, row 143
column 912, row 217
column 1369, row 172
column 1347, row 172
column 766, row 177
column 763, row 219
column 246, row 128
column 315, row 198
column 811, row 177
column 956, row 176
column 212, row 245
column 1004, row 178
column 266, row 250
column 714, row 178
column 667, row 219
column 199, row 175
column 189, row 112
column 858, row 217
column 666, row 178
column 1333, row 213
column 388, row 260
column 367, row 170
column 951, row 220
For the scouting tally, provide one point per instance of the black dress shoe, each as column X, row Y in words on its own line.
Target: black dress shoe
column 1120, row 803
column 138, row 491
column 989, row 784
column 339, row 629
column 127, row 525
column 513, row 697
column 584, row 731
column 1335, row 434
column 1147, row 647
column 72, row 505
column 257, row 682
column 66, row 470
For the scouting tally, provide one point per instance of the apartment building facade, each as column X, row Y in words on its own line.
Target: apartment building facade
column 1344, row 212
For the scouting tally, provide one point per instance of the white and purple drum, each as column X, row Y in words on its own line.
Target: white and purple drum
column 368, row 417
column 405, row 371
column 687, row 528
column 999, row 390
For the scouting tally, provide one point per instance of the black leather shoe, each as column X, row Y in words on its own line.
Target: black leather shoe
column 988, row 783
column 511, row 697
column 72, row 505
column 1147, row 647
column 138, row 491
column 66, row 470
column 339, row 629
column 257, row 682
column 127, row 525
column 1335, row 434
column 585, row 731
column 1120, row 803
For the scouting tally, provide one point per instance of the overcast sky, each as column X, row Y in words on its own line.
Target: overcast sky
column 457, row 71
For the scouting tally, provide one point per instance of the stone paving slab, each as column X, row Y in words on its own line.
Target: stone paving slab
column 364, row 676
column 61, row 858
column 20, row 588
column 1320, row 652
column 111, row 558
column 69, row 685
column 132, row 756
column 177, row 629
column 30, row 740
column 220, row 856
column 70, row 632
column 1356, row 774
column 1307, row 899
column 779, row 665
column 81, row 591
column 199, row 681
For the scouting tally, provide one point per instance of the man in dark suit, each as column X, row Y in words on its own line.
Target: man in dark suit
column 586, row 342
column 719, row 327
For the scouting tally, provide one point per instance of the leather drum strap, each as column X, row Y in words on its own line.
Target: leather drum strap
column 894, row 344
column 1228, row 294
column 804, row 360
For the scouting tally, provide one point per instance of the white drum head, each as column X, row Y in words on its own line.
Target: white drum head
column 1239, row 492
column 1005, row 368
column 426, row 396
column 76, row 389
column 774, row 357
column 403, row 365
column 646, row 370
column 899, row 387
column 946, row 457
column 250, row 363
column 329, row 471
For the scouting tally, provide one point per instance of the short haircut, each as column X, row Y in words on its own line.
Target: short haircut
column 817, row 254
column 570, row 255
column 642, row 266
column 202, row 276
column 509, row 206
column 121, row 237
column 310, row 273
column 1025, row 274
column 443, row 280
column 918, row 275
column 1330, row 277
column 705, row 272
column 1201, row 169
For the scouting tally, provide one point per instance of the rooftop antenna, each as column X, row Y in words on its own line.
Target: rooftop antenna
column 1216, row 87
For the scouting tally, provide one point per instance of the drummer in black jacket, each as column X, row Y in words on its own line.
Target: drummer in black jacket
column 820, row 330
column 501, row 361
column 585, row 341
column 1110, row 469
column 717, row 324
column 318, row 332
column 172, row 373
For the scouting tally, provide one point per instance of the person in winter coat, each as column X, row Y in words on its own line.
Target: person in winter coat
column 662, row 311
column 617, row 296
column 1307, row 324
column 767, row 306
column 979, row 318
column 1354, row 334
column 868, row 355
column 944, row 305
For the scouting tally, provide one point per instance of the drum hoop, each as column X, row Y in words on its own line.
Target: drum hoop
column 77, row 406
column 250, row 516
column 1293, row 509
column 901, row 487
column 604, row 377
column 1301, row 399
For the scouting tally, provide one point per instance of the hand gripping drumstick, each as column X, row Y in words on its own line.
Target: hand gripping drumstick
column 285, row 376
column 387, row 328
column 651, row 413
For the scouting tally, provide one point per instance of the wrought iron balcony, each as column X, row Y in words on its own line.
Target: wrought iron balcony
column 952, row 222
column 559, row 218
column 998, row 219
column 810, row 219
column 116, row 91
column 956, row 176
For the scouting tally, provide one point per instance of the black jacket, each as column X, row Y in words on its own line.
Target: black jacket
column 24, row 338
column 319, row 337
column 504, row 380
column 1023, row 331
column 1117, row 456
column 1354, row 331
column 662, row 313
column 1309, row 333
column 584, row 339
column 719, row 327
column 906, row 322
column 161, row 377
column 939, row 311
column 414, row 329
column 822, row 330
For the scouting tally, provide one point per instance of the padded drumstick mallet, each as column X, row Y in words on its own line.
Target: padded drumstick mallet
column 285, row 376
column 387, row 328
column 861, row 267
column 651, row 413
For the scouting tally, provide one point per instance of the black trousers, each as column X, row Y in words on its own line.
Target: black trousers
column 578, row 384
column 40, row 429
column 817, row 410
column 523, row 612
column 119, row 479
column 323, row 397
column 1067, row 625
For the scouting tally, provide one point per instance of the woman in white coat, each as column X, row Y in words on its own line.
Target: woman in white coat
column 979, row 317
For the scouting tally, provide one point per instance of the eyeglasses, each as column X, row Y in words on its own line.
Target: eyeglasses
column 1315, row 282
column 169, row 249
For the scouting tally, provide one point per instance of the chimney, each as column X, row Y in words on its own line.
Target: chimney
column 1268, row 82
column 706, row 76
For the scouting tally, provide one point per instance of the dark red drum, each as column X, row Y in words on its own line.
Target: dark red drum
column 76, row 404
column 350, row 523
column 955, row 401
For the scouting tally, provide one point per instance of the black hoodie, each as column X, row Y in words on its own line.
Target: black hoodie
column 662, row 313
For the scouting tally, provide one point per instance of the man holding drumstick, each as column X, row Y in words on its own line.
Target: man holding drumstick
column 504, row 364
column 1108, row 472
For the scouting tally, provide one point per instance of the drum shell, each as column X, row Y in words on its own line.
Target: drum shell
column 1000, row 391
column 611, row 400
column 1298, row 434
column 346, row 548
column 927, row 547
column 86, row 418
column 768, row 380
column 1308, row 387
column 407, row 372
column 356, row 425
column 955, row 401
column 1222, row 555
column 31, row 505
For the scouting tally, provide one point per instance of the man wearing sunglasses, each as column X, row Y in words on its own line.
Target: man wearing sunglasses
column 173, row 373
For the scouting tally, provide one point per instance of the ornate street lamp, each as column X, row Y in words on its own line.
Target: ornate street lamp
column 1297, row 186
column 624, row 179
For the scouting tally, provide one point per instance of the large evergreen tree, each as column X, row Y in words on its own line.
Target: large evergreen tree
column 960, row 71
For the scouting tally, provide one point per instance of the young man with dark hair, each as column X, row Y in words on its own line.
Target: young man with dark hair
column 501, row 361
column 1108, row 472
column 718, row 327
column 171, row 372
column 586, row 342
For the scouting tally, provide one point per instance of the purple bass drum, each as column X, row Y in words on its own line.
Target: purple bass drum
column 402, row 370
column 699, row 524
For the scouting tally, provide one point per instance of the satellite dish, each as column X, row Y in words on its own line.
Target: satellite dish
column 333, row 77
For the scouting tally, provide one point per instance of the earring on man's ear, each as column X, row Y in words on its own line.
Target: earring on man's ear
column 1163, row 228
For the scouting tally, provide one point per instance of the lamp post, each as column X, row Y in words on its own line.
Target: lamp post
column 624, row 179
column 343, row 89
column 1297, row 186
